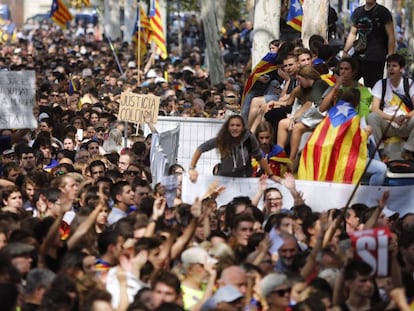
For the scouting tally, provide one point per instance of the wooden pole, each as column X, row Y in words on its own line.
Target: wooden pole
column 139, row 43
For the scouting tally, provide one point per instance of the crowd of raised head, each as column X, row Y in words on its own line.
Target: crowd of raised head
column 84, row 227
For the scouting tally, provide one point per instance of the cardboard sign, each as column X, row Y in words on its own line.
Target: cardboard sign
column 17, row 98
column 371, row 246
column 136, row 108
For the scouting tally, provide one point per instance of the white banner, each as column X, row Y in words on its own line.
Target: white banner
column 17, row 98
column 320, row 196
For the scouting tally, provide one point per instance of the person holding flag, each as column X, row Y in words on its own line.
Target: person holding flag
column 337, row 150
column 262, row 79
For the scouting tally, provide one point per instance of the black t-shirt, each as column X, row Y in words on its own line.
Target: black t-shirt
column 372, row 24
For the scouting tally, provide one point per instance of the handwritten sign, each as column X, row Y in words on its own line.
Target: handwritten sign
column 371, row 246
column 17, row 98
column 136, row 108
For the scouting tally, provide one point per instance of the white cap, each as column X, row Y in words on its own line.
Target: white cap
column 152, row 74
column 387, row 212
column 188, row 68
column 159, row 80
column 131, row 64
column 43, row 115
column 196, row 254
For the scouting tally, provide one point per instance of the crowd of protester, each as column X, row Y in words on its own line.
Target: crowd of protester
column 83, row 227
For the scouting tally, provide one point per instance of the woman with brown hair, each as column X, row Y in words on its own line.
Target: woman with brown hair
column 305, row 114
column 236, row 146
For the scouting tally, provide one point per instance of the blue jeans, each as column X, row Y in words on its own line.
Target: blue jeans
column 377, row 171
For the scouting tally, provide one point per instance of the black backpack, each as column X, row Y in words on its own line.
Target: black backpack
column 406, row 93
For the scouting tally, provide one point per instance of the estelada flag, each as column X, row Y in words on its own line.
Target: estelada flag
column 60, row 14
column 337, row 149
column 266, row 65
column 295, row 14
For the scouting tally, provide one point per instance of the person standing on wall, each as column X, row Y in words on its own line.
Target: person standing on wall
column 372, row 39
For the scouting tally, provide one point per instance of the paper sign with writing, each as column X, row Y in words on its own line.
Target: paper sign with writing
column 136, row 108
column 371, row 246
column 17, row 98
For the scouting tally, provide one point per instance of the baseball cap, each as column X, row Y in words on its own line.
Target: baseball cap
column 152, row 74
column 270, row 282
column 9, row 151
column 188, row 68
column 196, row 254
column 387, row 212
column 131, row 64
column 228, row 293
column 43, row 115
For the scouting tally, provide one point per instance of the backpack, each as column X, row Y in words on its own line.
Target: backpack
column 400, row 169
column 406, row 92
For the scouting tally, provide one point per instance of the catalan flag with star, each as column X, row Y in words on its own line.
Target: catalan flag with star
column 295, row 14
column 266, row 65
column 337, row 149
column 60, row 14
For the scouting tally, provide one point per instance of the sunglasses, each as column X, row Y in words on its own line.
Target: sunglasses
column 281, row 292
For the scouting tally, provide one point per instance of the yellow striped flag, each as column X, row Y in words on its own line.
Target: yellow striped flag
column 267, row 64
column 142, row 24
column 60, row 14
column 86, row 2
column 157, row 29
column 295, row 14
column 337, row 149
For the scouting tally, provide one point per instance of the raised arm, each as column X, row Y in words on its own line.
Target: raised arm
column 188, row 233
column 311, row 260
column 85, row 226
column 49, row 243
column 329, row 100
column 193, row 165
column 290, row 184
column 372, row 221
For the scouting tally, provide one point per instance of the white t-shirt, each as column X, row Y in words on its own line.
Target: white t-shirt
column 391, row 100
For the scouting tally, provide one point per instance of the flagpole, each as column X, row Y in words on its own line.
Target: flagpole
column 341, row 217
column 111, row 45
column 139, row 42
column 120, row 71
